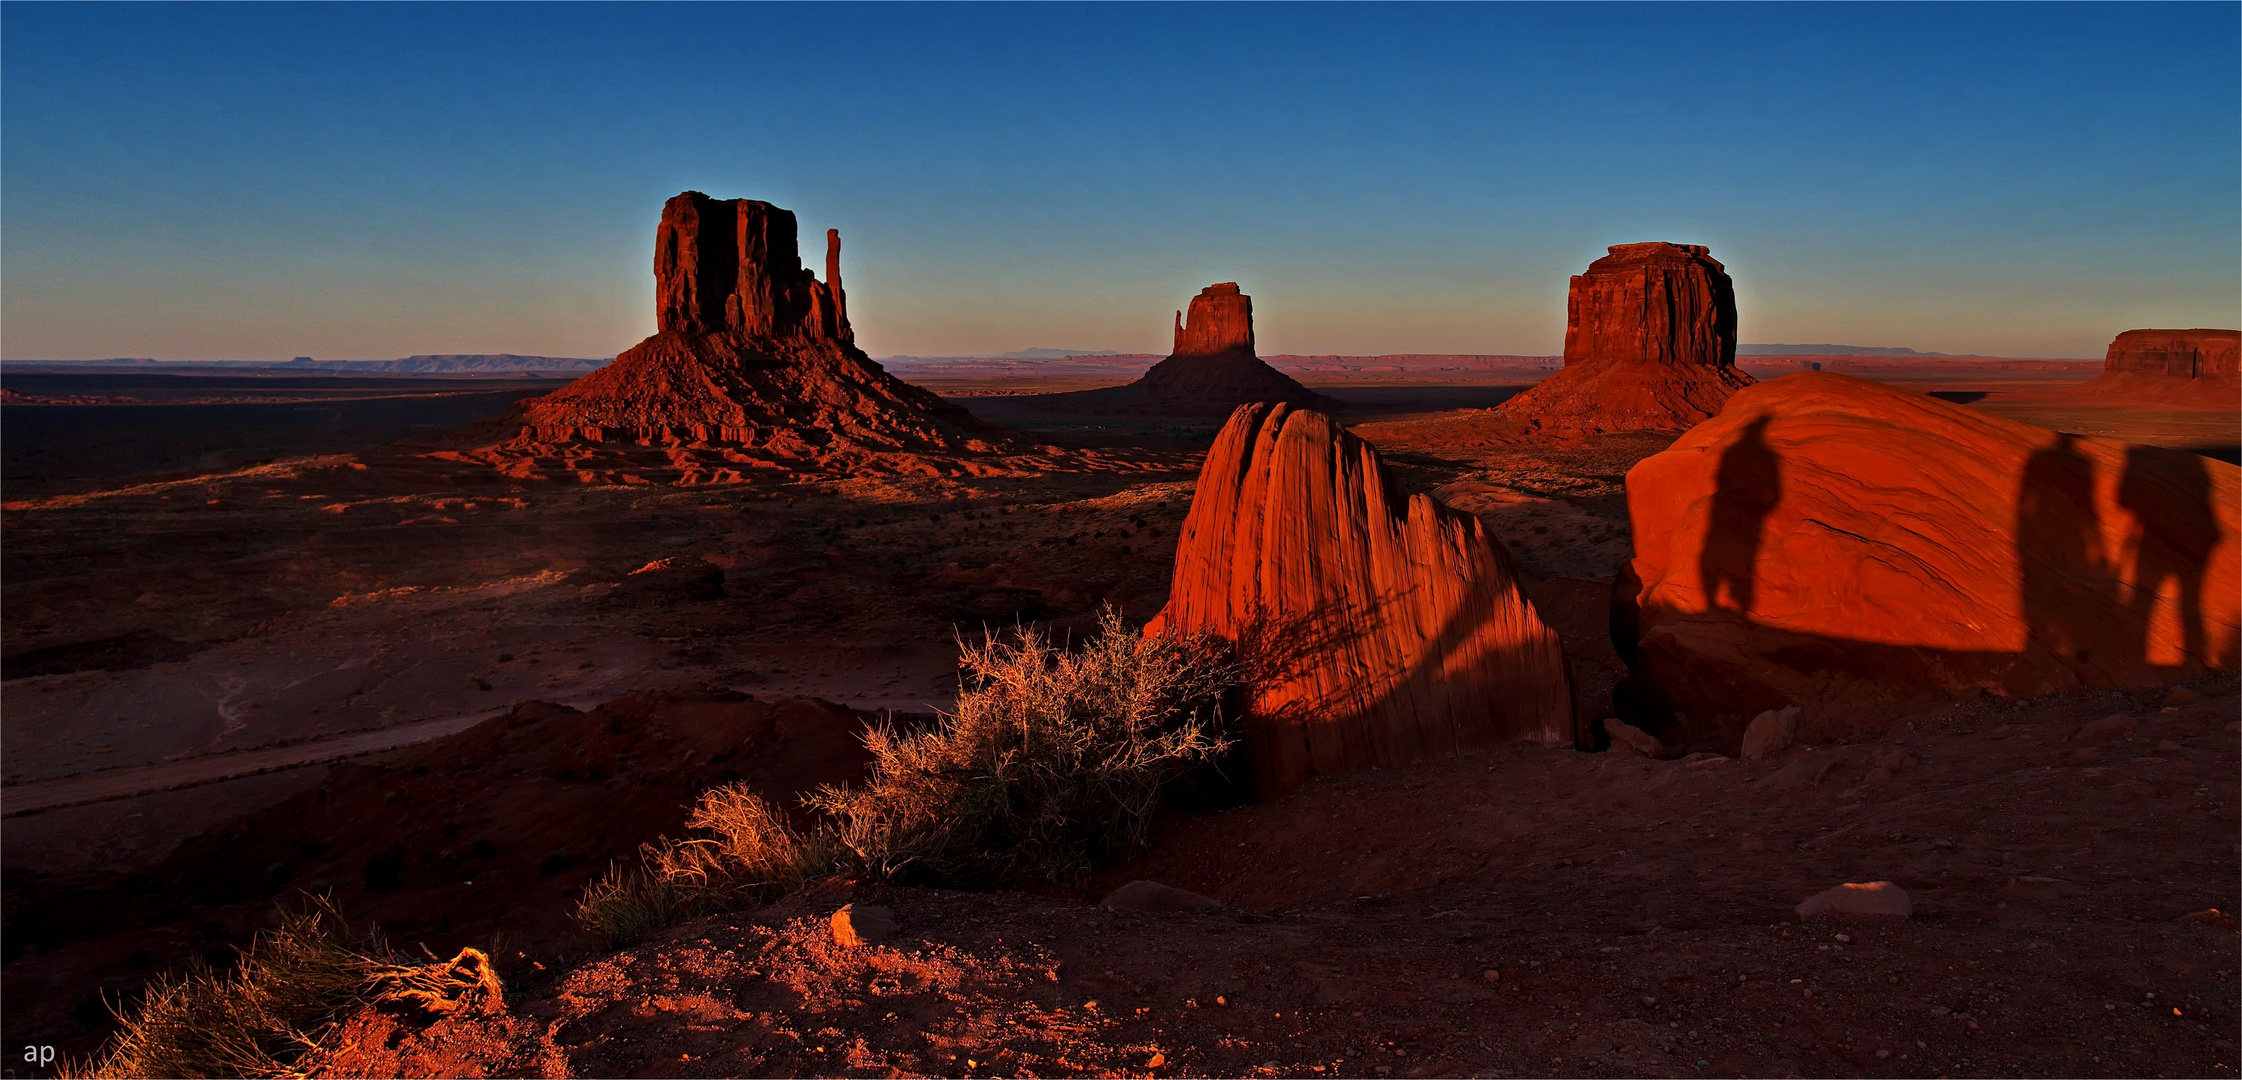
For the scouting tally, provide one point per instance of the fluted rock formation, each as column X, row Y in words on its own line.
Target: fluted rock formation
column 1832, row 543
column 1379, row 628
column 753, row 366
column 2179, row 367
column 1650, row 345
column 1212, row 370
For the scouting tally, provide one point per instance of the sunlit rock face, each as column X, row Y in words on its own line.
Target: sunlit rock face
column 1379, row 628
column 1829, row 540
column 1650, row 345
column 2179, row 367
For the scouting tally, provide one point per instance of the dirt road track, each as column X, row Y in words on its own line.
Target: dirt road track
column 39, row 796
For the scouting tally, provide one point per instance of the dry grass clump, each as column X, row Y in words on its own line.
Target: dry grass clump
column 292, row 986
column 1054, row 763
column 746, row 854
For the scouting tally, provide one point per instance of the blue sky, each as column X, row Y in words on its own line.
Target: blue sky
column 194, row 181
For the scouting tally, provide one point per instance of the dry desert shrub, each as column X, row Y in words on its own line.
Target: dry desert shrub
column 745, row 854
column 289, row 990
column 1053, row 764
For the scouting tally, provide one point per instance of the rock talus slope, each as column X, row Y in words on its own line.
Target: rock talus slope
column 1650, row 345
column 1828, row 539
column 753, row 368
column 1378, row 627
column 2202, row 368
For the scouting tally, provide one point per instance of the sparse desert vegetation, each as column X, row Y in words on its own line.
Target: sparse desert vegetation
column 283, row 995
column 1053, row 765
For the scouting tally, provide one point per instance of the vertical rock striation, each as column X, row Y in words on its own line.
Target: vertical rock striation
column 732, row 266
column 1221, row 324
column 1379, row 628
column 1650, row 345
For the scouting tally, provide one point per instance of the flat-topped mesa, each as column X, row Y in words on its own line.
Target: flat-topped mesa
column 2188, row 368
column 1376, row 627
column 1220, row 324
column 2178, row 354
column 1654, row 303
column 733, row 266
column 1650, row 345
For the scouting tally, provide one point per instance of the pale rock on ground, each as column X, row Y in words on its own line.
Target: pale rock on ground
column 1153, row 896
column 1859, row 898
column 862, row 924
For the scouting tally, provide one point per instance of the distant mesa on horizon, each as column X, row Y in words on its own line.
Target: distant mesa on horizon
column 1650, row 345
column 1831, row 350
column 1041, row 353
column 446, row 363
column 2199, row 367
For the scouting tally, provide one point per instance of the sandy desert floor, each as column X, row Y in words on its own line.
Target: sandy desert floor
column 185, row 651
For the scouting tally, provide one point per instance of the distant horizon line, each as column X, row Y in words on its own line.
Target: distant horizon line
column 1041, row 354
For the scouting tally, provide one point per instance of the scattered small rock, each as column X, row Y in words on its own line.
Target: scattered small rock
column 1859, row 898
column 1701, row 759
column 1771, row 733
column 1493, row 976
column 2212, row 917
column 862, row 924
column 2107, row 728
column 1805, row 772
column 1634, row 738
column 1153, row 896
column 2181, row 696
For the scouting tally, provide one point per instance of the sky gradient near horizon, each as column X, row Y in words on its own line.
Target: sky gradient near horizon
column 211, row 181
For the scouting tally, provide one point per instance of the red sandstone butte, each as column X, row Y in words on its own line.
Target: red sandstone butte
column 1828, row 540
column 1211, row 371
column 1378, row 628
column 753, row 361
column 1650, row 345
column 2202, row 368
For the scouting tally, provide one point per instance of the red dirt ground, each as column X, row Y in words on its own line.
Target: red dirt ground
column 1635, row 914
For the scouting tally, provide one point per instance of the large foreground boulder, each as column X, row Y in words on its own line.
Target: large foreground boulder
column 753, row 369
column 2201, row 368
column 1831, row 542
column 1379, row 628
column 1650, row 345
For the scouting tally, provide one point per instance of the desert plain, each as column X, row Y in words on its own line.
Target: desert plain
column 445, row 649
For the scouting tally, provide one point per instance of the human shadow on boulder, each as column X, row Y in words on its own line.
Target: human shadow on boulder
column 1747, row 487
column 2066, row 574
column 2174, row 529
